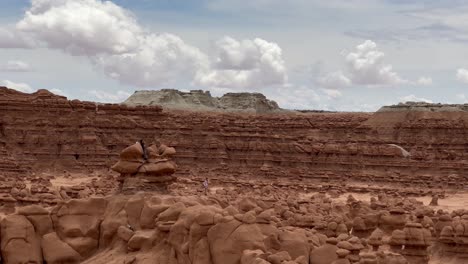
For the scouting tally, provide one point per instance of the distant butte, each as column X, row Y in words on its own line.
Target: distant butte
column 426, row 107
column 199, row 100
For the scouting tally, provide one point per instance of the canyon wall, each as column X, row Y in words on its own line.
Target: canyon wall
column 395, row 149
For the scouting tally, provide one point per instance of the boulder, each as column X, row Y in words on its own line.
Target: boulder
column 125, row 233
column 56, row 251
column 279, row 257
column 19, row 242
column 78, row 222
column 39, row 217
column 325, row 254
column 228, row 240
column 142, row 239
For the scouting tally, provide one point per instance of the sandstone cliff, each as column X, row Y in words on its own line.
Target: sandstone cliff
column 42, row 131
column 202, row 100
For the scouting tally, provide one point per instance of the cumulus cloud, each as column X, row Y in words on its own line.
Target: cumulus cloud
column 414, row 98
column 22, row 87
column 462, row 75
column 425, row 81
column 244, row 64
column 82, row 27
column 107, row 97
column 158, row 60
column 112, row 39
column 15, row 66
column 366, row 66
column 118, row 45
column 363, row 66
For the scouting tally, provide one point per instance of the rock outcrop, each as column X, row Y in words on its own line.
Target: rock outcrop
column 198, row 100
column 144, row 168
column 314, row 151
column 217, row 229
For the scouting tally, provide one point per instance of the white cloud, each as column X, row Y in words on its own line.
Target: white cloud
column 462, row 75
column 366, row 66
column 10, row 38
column 424, row 81
column 115, row 43
column 15, row 66
column 159, row 59
column 414, row 98
column 331, row 93
column 82, row 27
column 113, row 40
column 334, row 80
column 110, row 97
column 22, row 87
column 244, row 64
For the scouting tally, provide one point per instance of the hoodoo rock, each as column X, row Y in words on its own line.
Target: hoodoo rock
column 283, row 187
column 145, row 168
column 216, row 229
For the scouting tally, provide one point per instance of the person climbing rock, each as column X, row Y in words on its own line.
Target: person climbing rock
column 145, row 155
column 205, row 186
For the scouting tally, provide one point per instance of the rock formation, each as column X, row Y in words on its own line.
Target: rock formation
column 145, row 168
column 222, row 228
column 277, row 185
column 197, row 100
column 425, row 107
column 42, row 132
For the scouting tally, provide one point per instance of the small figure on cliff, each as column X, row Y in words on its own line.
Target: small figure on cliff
column 205, row 186
column 145, row 154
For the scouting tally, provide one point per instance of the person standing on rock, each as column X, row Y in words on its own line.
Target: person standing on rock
column 205, row 186
column 145, row 155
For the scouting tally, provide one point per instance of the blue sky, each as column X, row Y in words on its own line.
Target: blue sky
column 354, row 55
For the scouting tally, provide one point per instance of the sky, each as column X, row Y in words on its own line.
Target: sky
column 339, row 55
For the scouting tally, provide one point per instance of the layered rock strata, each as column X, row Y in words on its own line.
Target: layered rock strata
column 389, row 150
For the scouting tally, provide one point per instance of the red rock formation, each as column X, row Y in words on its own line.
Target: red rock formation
column 145, row 168
column 45, row 131
column 232, row 227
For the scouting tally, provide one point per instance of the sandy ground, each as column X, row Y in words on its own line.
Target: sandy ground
column 453, row 201
column 62, row 181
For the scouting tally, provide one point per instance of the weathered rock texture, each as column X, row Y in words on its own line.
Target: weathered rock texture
column 230, row 228
column 202, row 100
column 311, row 150
column 145, row 168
